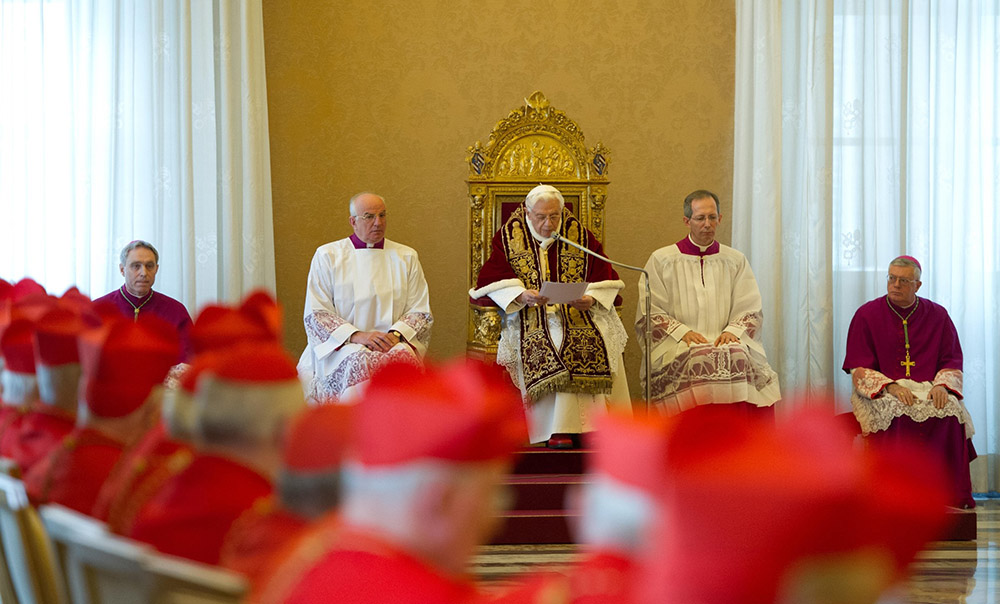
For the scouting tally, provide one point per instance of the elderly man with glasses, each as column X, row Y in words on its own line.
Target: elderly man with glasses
column 905, row 362
column 367, row 305
column 566, row 358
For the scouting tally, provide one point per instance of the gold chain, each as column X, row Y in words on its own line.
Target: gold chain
column 135, row 317
column 906, row 333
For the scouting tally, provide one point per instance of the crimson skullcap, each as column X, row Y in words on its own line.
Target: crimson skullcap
column 218, row 327
column 123, row 360
column 461, row 412
column 252, row 362
column 77, row 299
column 318, row 437
column 747, row 512
column 632, row 451
column 16, row 345
column 206, row 361
column 26, row 300
column 56, row 336
column 26, row 287
column 261, row 306
column 911, row 259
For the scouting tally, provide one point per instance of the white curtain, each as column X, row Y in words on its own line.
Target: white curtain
column 142, row 119
column 866, row 129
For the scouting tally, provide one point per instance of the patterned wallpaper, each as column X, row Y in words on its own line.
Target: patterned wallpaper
column 387, row 96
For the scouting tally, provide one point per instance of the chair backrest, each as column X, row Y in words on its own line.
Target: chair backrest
column 10, row 467
column 101, row 567
column 28, row 556
column 181, row 581
column 536, row 143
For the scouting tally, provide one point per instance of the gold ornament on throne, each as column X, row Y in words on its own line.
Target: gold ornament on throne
column 535, row 143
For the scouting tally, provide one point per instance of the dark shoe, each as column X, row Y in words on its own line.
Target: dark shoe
column 560, row 441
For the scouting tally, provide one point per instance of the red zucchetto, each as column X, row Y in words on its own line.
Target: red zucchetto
column 122, row 361
column 462, row 412
column 56, row 337
column 318, row 437
column 218, row 327
column 632, row 451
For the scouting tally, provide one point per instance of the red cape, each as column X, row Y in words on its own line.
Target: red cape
column 72, row 473
column 192, row 512
column 257, row 536
column 140, row 474
column 36, row 434
column 362, row 569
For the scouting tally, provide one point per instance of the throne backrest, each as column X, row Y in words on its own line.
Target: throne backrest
column 534, row 144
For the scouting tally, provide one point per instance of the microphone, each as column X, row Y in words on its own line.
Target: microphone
column 648, row 332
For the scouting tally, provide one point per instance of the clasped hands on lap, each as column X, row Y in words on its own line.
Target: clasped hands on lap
column 938, row 395
column 692, row 337
column 374, row 340
column 531, row 297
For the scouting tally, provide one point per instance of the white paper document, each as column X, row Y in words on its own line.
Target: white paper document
column 563, row 293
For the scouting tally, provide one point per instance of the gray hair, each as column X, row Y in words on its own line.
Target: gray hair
column 239, row 413
column 543, row 192
column 613, row 513
column 905, row 262
column 58, row 385
column 309, row 494
column 386, row 497
column 354, row 198
column 136, row 244
column 699, row 194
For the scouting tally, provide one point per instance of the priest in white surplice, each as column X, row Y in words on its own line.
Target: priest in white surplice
column 366, row 305
column 566, row 358
column 706, row 320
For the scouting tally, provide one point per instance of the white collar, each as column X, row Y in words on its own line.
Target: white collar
column 701, row 248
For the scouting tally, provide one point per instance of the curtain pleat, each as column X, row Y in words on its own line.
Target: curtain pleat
column 886, row 141
column 128, row 120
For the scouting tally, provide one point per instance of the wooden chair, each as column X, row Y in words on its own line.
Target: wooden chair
column 28, row 559
column 101, row 567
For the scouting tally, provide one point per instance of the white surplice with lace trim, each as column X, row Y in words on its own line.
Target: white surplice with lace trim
column 351, row 290
column 875, row 408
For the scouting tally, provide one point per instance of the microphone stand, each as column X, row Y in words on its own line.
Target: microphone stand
column 648, row 333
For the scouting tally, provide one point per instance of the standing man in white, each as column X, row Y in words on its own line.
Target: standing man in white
column 706, row 319
column 367, row 305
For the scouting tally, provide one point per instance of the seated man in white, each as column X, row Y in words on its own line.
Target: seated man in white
column 367, row 305
column 705, row 319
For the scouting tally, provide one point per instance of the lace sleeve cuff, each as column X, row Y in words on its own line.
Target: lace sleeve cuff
column 869, row 382
column 950, row 379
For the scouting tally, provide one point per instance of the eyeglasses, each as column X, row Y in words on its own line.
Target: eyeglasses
column 900, row 280
column 545, row 218
column 368, row 216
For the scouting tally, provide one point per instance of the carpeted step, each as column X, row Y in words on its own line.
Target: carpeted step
column 541, row 491
column 538, row 459
column 534, row 527
column 962, row 525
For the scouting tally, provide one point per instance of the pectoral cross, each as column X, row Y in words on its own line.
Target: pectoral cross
column 907, row 363
column 906, row 334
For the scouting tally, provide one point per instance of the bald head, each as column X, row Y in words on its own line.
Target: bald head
column 368, row 217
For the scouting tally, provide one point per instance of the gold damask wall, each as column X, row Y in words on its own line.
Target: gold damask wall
column 386, row 96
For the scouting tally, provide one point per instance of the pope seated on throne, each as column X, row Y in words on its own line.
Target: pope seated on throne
column 567, row 359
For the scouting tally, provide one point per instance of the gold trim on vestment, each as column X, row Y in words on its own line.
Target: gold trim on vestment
column 581, row 363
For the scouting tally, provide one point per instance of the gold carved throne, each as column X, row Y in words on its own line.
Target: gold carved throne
column 535, row 144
